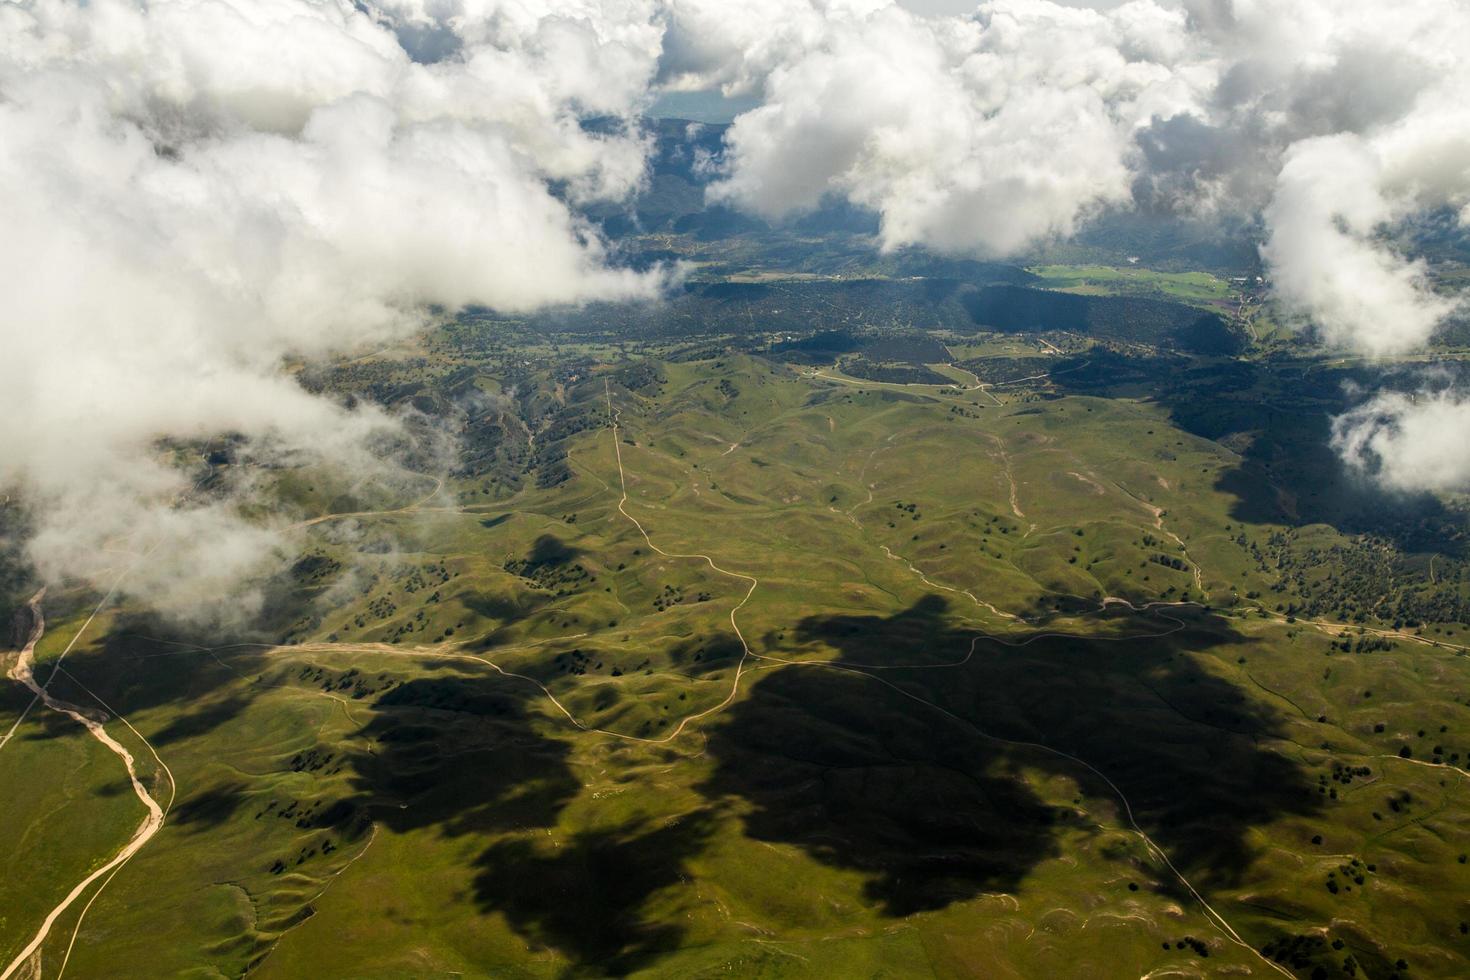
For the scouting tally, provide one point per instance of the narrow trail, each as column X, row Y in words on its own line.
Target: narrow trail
column 1442, row 767
column 153, row 820
column 935, row 585
column 1332, row 628
column 1157, row 513
column 414, row 507
column 311, row 902
column 173, row 791
column 866, row 383
column 1046, row 374
column 745, row 654
column 980, row 386
column 954, row 365
column 862, row 476
column 1005, row 459
column 28, row 654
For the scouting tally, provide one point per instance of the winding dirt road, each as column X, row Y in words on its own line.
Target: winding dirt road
column 24, row 672
column 745, row 653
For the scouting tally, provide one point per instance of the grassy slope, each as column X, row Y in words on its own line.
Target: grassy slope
column 1103, row 280
column 827, row 822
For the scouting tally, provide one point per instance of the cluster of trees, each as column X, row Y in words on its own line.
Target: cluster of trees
column 1355, row 872
column 352, row 681
column 576, row 662
column 549, row 459
column 641, row 376
column 1126, row 318
column 1359, row 579
column 415, row 578
column 673, row 595
column 1197, row 946
column 1320, row 955
column 381, row 381
column 315, row 568
column 893, row 373
column 562, row 579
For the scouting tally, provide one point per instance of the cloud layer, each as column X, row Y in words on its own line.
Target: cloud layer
column 195, row 191
column 981, row 135
column 1408, row 442
column 1335, row 123
column 1335, row 119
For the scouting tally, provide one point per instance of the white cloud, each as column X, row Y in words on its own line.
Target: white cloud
column 1408, row 442
column 1391, row 90
column 1334, row 121
column 980, row 136
column 196, row 190
column 991, row 132
column 1330, row 204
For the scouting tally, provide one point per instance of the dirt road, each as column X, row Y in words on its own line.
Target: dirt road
column 23, row 671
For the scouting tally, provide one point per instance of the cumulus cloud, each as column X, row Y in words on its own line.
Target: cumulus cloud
column 195, row 191
column 1332, row 201
column 1390, row 140
column 1334, row 123
column 1373, row 129
column 713, row 44
column 1408, row 441
column 976, row 135
column 1334, row 120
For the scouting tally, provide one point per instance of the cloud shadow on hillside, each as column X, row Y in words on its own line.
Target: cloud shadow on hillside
column 586, row 896
column 863, row 777
column 1280, row 415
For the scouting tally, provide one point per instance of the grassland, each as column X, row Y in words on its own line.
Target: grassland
column 793, row 674
column 1102, row 280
